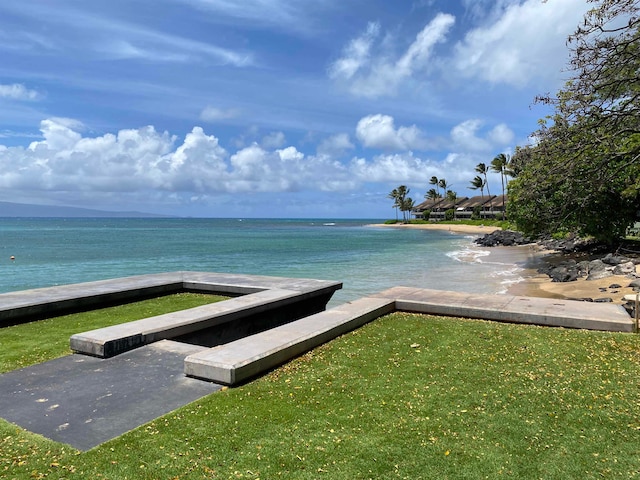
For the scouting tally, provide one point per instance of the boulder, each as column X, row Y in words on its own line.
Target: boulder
column 597, row 270
column 611, row 259
column 563, row 274
column 502, row 237
column 624, row 268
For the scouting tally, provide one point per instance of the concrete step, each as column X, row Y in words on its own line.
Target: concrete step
column 243, row 359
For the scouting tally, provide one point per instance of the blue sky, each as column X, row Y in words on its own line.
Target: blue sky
column 267, row 108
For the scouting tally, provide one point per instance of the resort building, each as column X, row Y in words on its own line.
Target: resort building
column 487, row 206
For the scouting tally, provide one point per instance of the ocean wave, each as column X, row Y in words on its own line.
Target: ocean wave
column 468, row 254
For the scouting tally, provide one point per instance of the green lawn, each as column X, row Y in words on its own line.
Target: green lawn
column 35, row 342
column 407, row 396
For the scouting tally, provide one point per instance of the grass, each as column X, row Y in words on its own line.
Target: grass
column 407, row 396
column 35, row 342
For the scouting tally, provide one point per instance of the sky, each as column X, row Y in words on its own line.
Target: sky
column 268, row 108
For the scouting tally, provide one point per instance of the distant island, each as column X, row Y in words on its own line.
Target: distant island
column 9, row 209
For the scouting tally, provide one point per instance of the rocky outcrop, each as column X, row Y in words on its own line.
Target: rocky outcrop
column 505, row 238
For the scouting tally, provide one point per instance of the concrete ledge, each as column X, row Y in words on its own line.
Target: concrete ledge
column 513, row 309
column 242, row 359
column 110, row 341
column 27, row 305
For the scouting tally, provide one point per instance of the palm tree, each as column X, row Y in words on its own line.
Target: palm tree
column 478, row 184
column 432, row 194
column 403, row 191
column 500, row 164
column 407, row 206
column 453, row 196
column 434, row 181
column 482, row 169
column 393, row 195
column 442, row 183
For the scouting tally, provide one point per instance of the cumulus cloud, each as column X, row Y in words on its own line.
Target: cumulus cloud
column 374, row 74
column 379, row 131
column 393, row 168
column 158, row 168
column 17, row 91
column 465, row 136
column 522, row 44
column 157, row 163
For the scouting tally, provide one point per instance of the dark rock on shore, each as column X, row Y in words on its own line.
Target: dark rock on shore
column 505, row 238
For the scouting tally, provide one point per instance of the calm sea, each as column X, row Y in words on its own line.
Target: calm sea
column 366, row 259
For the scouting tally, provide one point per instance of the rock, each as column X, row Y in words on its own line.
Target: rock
column 624, row 268
column 615, row 285
column 611, row 259
column 635, row 284
column 563, row 274
column 598, row 270
column 502, row 237
column 603, row 300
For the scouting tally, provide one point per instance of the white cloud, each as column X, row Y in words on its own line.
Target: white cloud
column 501, row 135
column 335, row 145
column 374, row 75
column 356, row 54
column 273, row 140
column 379, row 131
column 17, row 91
column 213, row 114
column 398, row 168
column 465, row 136
column 522, row 45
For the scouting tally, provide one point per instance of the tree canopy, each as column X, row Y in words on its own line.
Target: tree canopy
column 583, row 173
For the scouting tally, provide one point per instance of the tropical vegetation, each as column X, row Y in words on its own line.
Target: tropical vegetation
column 582, row 174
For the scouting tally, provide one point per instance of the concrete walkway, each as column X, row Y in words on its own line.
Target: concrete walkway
column 512, row 309
column 84, row 401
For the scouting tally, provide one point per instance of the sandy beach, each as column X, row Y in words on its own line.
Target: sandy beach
column 466, row 229
column 531, row 257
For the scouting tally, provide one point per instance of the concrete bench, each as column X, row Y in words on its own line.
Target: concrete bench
column 113, row 340
column 245, row 358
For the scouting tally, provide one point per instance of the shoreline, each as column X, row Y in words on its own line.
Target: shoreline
column 453, row 228
column 529, row 258
column 536, row 284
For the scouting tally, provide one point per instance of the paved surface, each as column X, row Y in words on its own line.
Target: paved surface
column 85, row 401
column 513, row 309
column 16, row 307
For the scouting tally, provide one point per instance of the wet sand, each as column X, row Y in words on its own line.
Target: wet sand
column 535, row 284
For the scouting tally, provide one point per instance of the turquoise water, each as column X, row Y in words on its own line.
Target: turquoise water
column 366, row 259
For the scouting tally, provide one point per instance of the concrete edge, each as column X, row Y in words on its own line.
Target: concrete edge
column 248, row 357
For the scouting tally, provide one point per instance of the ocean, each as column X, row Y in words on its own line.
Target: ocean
column 42, row 252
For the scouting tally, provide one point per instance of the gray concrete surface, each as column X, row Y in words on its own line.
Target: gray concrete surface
column 84, row 401
column 512, row 309
column 248, row 357
column 26, row 305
